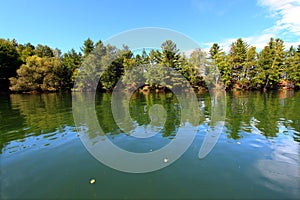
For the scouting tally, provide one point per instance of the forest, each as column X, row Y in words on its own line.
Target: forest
column 25, row 68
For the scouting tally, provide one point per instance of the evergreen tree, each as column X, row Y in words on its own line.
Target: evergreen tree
column 114, row 70
column 199, row 63
column 237, row 59
column 250, row 69
column 45, row 69
column 270, row 65
column 43, row 51
column 88, row 47
column 71, row 61
column 293, row 67
column 170, row 54
column 25, row 51
column 134, row 69
column 218, row 68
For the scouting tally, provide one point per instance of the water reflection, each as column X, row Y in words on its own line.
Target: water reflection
column 133, row 114
column 281, row 170
column 28, row 116
column 269, row 114
column 260, row 113
column 125, row 112
column 257, row 154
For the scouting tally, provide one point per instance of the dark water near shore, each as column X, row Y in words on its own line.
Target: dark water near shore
column 256, row 156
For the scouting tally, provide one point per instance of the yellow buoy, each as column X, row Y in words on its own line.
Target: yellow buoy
column 92, row 181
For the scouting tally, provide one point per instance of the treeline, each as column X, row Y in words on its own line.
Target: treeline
column 29, row 68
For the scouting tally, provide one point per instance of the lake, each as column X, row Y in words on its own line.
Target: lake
column 256, row 155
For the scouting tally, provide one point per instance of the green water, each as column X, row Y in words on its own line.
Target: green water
column 256, row 156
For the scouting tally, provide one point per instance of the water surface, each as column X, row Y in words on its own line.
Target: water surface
column 256, row 156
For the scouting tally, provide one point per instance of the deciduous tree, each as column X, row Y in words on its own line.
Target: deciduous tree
column 9, row 63
column 38, row 74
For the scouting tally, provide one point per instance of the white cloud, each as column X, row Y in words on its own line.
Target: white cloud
column 287, row 13
column 286, row 26
column 258, row 41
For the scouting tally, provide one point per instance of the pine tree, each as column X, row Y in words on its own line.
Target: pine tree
column 237, row 59
column 293, row 67
column 218, row 69
column 88, row 47
column 270, row 65
column 250, row 68
column 71, row 61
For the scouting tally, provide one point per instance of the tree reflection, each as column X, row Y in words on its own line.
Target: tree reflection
column 266, row 108
column 139, row 106
column 246, row 113
column 34, row 115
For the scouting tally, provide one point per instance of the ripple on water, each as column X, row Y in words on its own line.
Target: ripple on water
column 257, row 143
column 31, row 140
column 280, row 175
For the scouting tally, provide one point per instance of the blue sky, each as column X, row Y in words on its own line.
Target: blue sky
column 65, row 24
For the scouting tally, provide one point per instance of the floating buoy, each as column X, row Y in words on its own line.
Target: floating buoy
column 92, row 181
column 165, row 160
column 238, row 143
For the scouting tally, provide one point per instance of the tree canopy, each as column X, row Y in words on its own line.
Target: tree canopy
column 9, row 62
column 40, row 68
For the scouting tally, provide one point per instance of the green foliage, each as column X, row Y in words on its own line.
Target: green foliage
column 38, row 74
column 43, row 51
column 293, row 66
column 133, row 72
column 249, row 68
column 198, row 64
column 170, row 62
column 270, row 65
column 114, row 69
column 88, row 47
column 170, row 55
column 25, row 51
column 218, row 69
column 71, row 61
column 46, row 69
column 9, row 62
column 104, row 65
column 237, row 58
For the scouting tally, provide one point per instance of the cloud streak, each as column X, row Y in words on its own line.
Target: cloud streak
column 287, row 26
column 258, row 41
column 287, row 13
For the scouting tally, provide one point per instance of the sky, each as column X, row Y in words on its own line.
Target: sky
column 65, row 24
